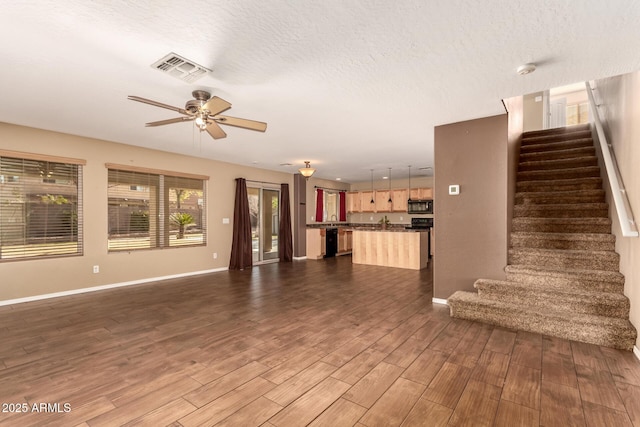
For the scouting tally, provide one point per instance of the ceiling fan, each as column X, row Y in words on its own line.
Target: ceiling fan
column 205, row 111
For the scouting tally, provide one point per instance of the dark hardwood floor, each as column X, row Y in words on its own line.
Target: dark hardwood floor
column 324, row 343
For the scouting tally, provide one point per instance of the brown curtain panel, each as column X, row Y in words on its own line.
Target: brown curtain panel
column 241, row 245
column 285, row 238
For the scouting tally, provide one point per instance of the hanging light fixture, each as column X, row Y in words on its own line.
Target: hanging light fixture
column 372, row 201
column 306, row 171
column 390, row 201
column 409, row 183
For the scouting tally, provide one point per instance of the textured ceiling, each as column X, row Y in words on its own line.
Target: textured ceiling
column 349, row 85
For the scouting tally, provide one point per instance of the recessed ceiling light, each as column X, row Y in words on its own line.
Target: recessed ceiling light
column 526, row 69
column 338, row 179
column 385, row 177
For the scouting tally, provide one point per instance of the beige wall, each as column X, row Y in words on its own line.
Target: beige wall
column 28, row 278
column 533, row 112
column 516, row 125
column 470, row 231
column 620, row 97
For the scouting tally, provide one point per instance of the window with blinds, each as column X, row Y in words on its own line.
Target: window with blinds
column 40, row 208
column 154, row 210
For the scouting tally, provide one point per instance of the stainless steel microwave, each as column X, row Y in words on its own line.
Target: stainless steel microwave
column 420, row 206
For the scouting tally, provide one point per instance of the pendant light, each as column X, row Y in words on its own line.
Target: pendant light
column 306, row 171
column 409, row 183
column 390, row 201
column 372, row 201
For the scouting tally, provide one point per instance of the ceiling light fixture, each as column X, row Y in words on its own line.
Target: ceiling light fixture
column 389, row 186
column 372, row 201
column 526, row 69
column 306, row 171
column 409, row 183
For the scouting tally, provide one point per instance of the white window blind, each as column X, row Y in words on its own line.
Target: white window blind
column 40, row 208
column 153, row 210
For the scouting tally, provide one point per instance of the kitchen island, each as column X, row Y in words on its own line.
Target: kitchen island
column 391, row 248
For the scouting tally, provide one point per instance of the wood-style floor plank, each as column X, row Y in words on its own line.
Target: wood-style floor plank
column 212, row 349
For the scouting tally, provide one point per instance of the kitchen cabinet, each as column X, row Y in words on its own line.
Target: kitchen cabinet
column 365, row 200
column 354, row 202
column 399, row 197
column 345, row 240
column 421, row 193
column 316, row 243
column 382, row 201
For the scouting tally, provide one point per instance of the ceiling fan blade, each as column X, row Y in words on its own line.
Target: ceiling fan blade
column 216, row 105
column 215, row 131
column 241, row 123
column 169, row 121
column 157, row 104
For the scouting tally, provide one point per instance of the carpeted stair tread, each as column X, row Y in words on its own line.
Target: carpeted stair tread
column 592, row 183
column 569, row 153
column 557, row 197
column 562, row 225
column 562, row 258
column 565, row 210
column 556, row 146
column 556, row 174
column 556, row 297
column 557, row 163
column 542, row 276
column 528, row 139
column 556, row 131
column 571, row 241
column 598, row 330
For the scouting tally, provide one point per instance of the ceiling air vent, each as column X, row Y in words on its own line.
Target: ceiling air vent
column 181, row 68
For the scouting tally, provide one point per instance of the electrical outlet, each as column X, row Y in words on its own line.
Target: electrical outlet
column 96, row 269
column 215, row 255
column 370, row 218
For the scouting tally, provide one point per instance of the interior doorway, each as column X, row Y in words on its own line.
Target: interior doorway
column 264, row 211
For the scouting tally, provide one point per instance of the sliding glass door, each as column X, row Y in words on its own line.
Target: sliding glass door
column 264, row 209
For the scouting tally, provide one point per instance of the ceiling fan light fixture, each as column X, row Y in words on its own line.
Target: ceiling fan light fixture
column 306, row 171
column 201, row 122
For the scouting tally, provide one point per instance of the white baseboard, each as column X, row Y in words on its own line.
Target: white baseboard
column 636, row 351
column 299, row 258
column 104, row 287
column 439, row 301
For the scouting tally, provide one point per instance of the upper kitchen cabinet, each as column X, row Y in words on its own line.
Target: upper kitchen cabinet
column 399, row 197
column 354, row 202
column 382, row 201
column 365, row 200
column 421, row 193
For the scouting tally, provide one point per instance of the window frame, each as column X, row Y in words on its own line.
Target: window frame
column 29, row 252
column 162, row 202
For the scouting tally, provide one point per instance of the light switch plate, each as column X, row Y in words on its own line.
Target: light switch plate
column 454, row 190
column 225, row 220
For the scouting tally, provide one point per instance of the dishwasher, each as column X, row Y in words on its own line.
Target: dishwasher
column 331, row 242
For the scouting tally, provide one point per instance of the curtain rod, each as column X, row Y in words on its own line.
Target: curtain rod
column 265, row 182
column 332, row 189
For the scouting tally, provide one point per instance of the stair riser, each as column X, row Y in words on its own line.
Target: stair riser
column 560, row 137
column 555, row 198
column 560, row 228
column 590, row 172
column 608, row 263
column 556, row 302
column 533, row 186
column 542, row 211
column 577, row 245
column 537, row 323
column 584, row 283
column 571, row 153
column 557, row 131
column 555, row 146
column 550, row 165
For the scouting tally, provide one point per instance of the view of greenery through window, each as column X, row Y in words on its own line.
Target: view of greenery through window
column 40, row 208
column 149, row 210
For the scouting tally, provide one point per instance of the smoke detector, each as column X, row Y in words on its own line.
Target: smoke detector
column 526, row 69
column 180, row 67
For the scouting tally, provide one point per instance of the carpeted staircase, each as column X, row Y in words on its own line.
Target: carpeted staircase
column 563, row 277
